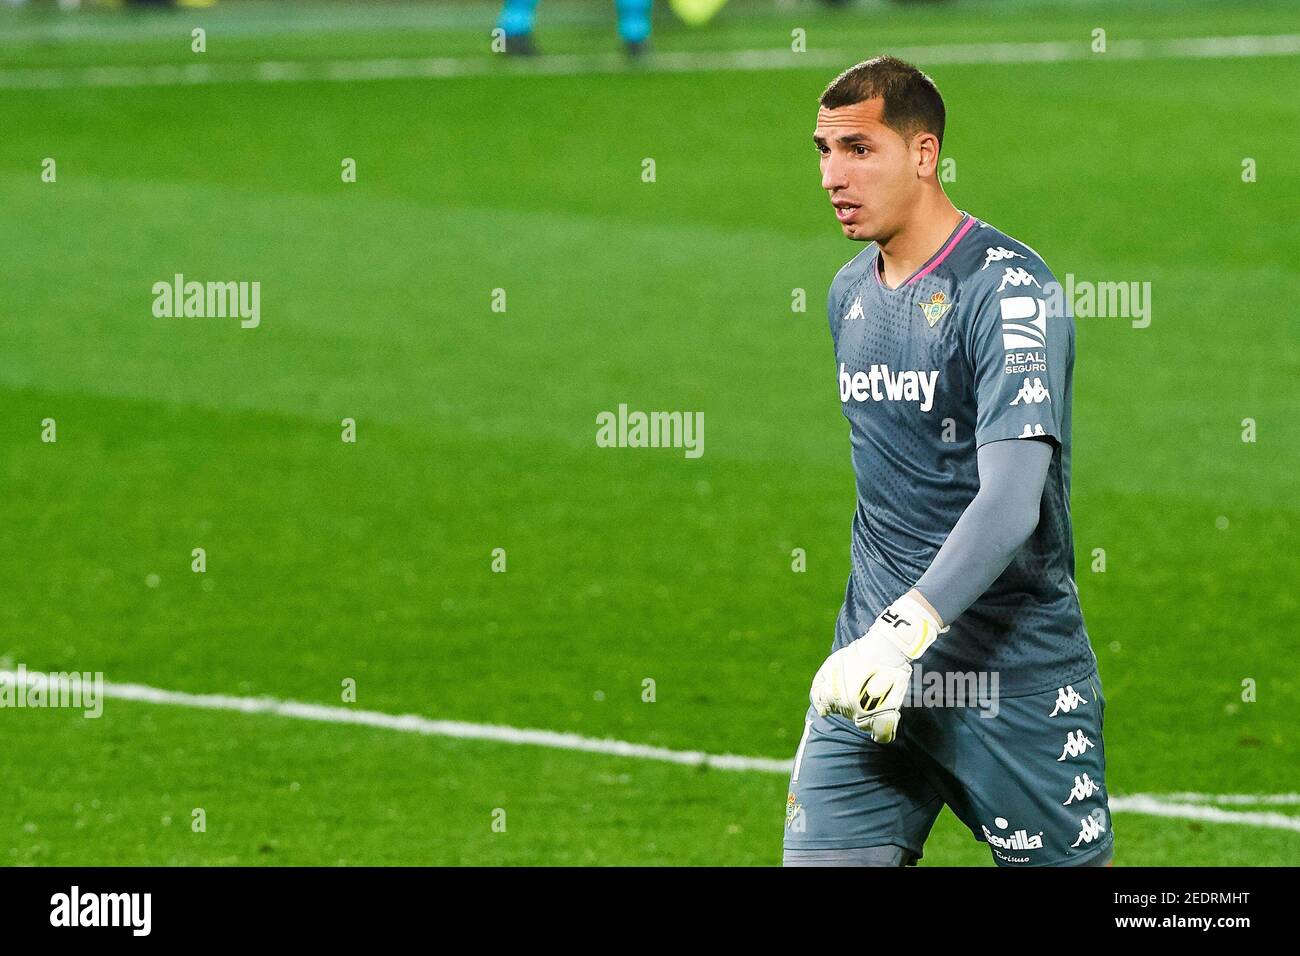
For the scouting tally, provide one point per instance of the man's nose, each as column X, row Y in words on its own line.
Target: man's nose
column 832, row 175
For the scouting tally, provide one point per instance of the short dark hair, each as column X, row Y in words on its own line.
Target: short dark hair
column 912, row 101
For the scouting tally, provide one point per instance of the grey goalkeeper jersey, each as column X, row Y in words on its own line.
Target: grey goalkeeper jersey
column 963, row 353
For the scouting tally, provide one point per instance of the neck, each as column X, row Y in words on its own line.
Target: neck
column 925, row 232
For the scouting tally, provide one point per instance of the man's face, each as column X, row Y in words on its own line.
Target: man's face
column 868, row 171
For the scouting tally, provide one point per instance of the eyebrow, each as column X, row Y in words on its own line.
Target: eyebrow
column 847, row 139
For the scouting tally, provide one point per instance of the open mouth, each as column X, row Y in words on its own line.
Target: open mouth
column 845, row 211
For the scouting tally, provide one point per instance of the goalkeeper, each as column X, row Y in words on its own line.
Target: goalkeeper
column 954, row 363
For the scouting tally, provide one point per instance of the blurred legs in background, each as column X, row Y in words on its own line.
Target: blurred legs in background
column 517, row 18
column 634, row 24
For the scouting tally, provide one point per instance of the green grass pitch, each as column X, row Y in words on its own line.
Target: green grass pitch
column 475, row 428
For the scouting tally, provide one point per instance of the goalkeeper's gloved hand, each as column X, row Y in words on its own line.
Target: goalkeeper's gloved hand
column 867, row 680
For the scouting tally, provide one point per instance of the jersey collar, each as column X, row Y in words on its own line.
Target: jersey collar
column 959, row 231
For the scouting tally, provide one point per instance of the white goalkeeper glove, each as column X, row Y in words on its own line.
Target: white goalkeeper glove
column 866, row 681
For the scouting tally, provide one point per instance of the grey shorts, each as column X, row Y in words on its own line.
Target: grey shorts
column 1029, row 781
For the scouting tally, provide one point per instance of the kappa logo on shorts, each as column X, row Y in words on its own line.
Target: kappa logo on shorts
column 1083, row 788
column 1091, row 827
column 1067, row 698
column 1075, row 744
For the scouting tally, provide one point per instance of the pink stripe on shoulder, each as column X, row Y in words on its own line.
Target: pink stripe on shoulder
column 946, row 249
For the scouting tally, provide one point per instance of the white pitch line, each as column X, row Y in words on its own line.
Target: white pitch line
column 1161, row 807
column 1239, row 799
column 1187, row 806
column 581, row 64
column 414, row 724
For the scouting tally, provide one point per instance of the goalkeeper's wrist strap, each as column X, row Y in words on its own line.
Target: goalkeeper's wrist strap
column 910, row 627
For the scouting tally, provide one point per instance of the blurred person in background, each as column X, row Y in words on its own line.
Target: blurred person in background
column 517, row 21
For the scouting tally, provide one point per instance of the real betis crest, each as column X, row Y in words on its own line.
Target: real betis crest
column 792, row 811
column 936, row 308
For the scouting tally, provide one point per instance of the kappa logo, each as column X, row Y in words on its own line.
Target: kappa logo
column 1024, row 322
column 1091, row 827
column 1014, row 275
column 997, row 254
column 855, row 310
column 1075, row 744
column 1032, row 394
column 1083, row 788
column 1067, row 698
column 1034, row 431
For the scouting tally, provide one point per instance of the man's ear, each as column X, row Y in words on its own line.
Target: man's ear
column 925, row 149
